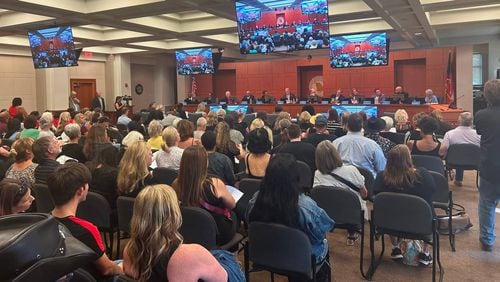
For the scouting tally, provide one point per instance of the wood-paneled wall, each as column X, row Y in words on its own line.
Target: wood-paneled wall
column 275, row 75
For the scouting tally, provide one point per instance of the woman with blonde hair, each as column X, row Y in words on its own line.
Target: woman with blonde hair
column 155, row 251
column 402, row 121
column 133, row 171
column 170, row 154
column 259, row 123
column 23, row 167
column 212, row 120
column 196, row 188
column 155, row 139
column 401, row 176
column 64, row 119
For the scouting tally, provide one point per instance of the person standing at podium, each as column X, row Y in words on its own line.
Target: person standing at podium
column 289, row 98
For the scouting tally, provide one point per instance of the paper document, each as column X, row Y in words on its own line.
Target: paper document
column 237, row 194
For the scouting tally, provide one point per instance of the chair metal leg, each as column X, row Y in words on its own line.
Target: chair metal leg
column 438, row 248
column 477, row 179
column 246, row 262
column 361, row 252
column 111, row 234
column 434, row 247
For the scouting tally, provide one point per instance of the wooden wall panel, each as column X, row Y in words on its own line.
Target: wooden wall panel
column 276, row 75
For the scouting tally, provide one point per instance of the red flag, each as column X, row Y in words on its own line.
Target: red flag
column 194, row 87
column 449, row 91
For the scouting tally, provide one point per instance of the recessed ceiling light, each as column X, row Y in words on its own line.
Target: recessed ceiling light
column 418, row 33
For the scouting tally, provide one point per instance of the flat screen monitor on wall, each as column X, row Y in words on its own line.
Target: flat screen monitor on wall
column 53, row 47
column 194, row 61
column 371, row 111
column 359, row 50
column 266, row 26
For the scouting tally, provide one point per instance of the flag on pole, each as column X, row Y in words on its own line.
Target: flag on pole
column 449, row 91
column 194, row 87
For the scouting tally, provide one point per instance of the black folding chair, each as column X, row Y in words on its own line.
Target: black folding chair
column 125, row 209
column 369, row 180
column 343, row 206
column 429, row 162
column 43, row 198
column 404, row 216
column 248, row 186
column 442, row 199
column 463, row 156
column 305, row 177
column 165, row 175
column 396, row 137
column 198, row 226
column 282, row 250
column 96, row 210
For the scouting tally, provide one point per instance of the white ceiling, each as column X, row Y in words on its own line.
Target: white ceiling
column 158, row 26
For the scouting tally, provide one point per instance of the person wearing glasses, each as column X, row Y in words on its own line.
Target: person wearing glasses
column 14, row 197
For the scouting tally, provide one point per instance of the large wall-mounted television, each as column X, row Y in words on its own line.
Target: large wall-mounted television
column 359, row 50
column 53, row 47
column 266, row 26
column 371, row 111
column 194, row 61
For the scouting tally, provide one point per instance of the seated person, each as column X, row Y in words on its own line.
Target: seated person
column 321, row 133
column 210, row 99
column 313, row 97
column 258, row 153
column 166, row 258
column 69, row 186
column 195, row 188
column 329, row 167
column 400, row 96
column 191, row 99
column 430, row 98
column 73, row 148
column 301, row 150
column 14, row 197
column 23, row 168
column 428, row 145
column 280, row 200
column 288, row 97
column 249, row 98
column 401, row 176
column 170, row 153
column 133, row 171
column 186, row 134
column 266, row 98
column 218, row 164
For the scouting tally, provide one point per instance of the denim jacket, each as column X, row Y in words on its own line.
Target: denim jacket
column 313, row 221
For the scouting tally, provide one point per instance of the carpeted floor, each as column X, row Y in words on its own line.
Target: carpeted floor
column 468, row 263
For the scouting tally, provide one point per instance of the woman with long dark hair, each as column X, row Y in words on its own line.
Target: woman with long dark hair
column 401, row 176
column 195, row 188
column 280, row 200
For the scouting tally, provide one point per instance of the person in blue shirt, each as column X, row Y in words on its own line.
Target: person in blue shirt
column 430, row 98
column 356, row 149
column 281, row 201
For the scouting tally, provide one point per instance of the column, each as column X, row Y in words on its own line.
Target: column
column 464, row 77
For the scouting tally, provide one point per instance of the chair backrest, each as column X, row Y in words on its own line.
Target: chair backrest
column 369, row 180
column 396, row 137
column 43, row 199
column 466, row 156
column 198, row 226
column 442, row 193
column 125, row 208
column 402, row 212
column 279, row 247
column 305, row 176
column 96, row 210
column 248, row 186
column 165, row 175
column 431, row 163
column 342, row 205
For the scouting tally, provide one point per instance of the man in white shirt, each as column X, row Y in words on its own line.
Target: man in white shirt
column 463, row 134
column 124, row 119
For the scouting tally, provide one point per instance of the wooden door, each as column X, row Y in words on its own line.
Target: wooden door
column 224, row 80
column 85, row 89
column 306, row 77
column 411, row 75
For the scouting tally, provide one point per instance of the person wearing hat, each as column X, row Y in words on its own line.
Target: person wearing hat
column 321, row 133
column 373, row 127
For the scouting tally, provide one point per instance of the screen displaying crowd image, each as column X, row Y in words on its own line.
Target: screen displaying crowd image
column 279, row 26
column 231, row 108
column 371, row 111
column 359, row 50
column 53, row 47
column 194, row 61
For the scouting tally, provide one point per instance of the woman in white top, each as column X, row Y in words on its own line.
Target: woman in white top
column 328, row 162
column 170, row 154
